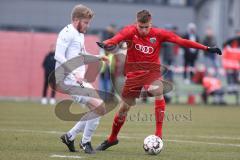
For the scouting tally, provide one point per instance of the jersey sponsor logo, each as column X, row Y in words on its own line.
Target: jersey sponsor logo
column 144, row 49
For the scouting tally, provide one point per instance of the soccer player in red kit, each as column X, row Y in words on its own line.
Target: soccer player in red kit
column 145, row 44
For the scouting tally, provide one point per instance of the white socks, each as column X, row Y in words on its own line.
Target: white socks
column 76, row 129
column 88, row 128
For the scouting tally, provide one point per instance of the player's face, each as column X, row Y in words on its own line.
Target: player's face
column 83, row 25
column 144, row 28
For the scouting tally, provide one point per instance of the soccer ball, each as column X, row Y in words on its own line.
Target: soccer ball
column 152, row 145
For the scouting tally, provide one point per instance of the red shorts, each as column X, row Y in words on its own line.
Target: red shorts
column 136, row 81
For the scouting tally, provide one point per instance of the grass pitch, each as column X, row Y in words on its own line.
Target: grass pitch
column 30, row 131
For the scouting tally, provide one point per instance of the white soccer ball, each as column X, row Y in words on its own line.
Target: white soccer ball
column 152, row 145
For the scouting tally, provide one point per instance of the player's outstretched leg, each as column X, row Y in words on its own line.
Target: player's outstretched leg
column 92, row 121
column 89, row 129
column 159, row 116
column 112, row 139
column 118, row 122
column 159, row 105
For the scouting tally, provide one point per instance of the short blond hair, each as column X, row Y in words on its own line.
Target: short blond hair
column 80, row 12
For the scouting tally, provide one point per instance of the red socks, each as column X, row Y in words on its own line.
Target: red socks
column 159, row 116
column 117, row 125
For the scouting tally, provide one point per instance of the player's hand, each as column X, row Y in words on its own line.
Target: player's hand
column 106, row 47
column 104, row 58
column 214, row 50
column 101, row 45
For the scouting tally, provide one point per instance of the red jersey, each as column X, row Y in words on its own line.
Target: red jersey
column 147, row 48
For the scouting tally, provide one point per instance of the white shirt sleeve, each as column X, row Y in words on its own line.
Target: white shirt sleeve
column 63, row 41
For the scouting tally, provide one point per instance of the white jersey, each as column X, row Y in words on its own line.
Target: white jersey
column 70, row 44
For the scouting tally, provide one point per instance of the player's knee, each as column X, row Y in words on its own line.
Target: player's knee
column 157, row 92
column 128, row 102
column 101, row 110
column 76, row 99
column 96, row 102
column 156, row 88
column 124, row 109
column 160, row 97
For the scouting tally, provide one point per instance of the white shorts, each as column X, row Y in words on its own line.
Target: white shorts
column 87, row 97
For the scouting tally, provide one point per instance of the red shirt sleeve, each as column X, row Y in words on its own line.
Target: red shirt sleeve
column 125, row 34
column 171, row 37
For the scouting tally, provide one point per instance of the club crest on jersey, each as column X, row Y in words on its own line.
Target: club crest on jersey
column 153, row 39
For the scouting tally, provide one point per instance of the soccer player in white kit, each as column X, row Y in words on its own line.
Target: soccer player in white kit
column 70, row 44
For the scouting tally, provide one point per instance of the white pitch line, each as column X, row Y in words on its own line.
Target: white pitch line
column 128, row 137
column 209, row 143
column 32, row 131
column 65, row 156
column 207, row 137
column 122, row 136
column 51, row 132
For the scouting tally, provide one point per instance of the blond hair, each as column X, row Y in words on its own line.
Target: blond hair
column 80, row 12
column 144, row 16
